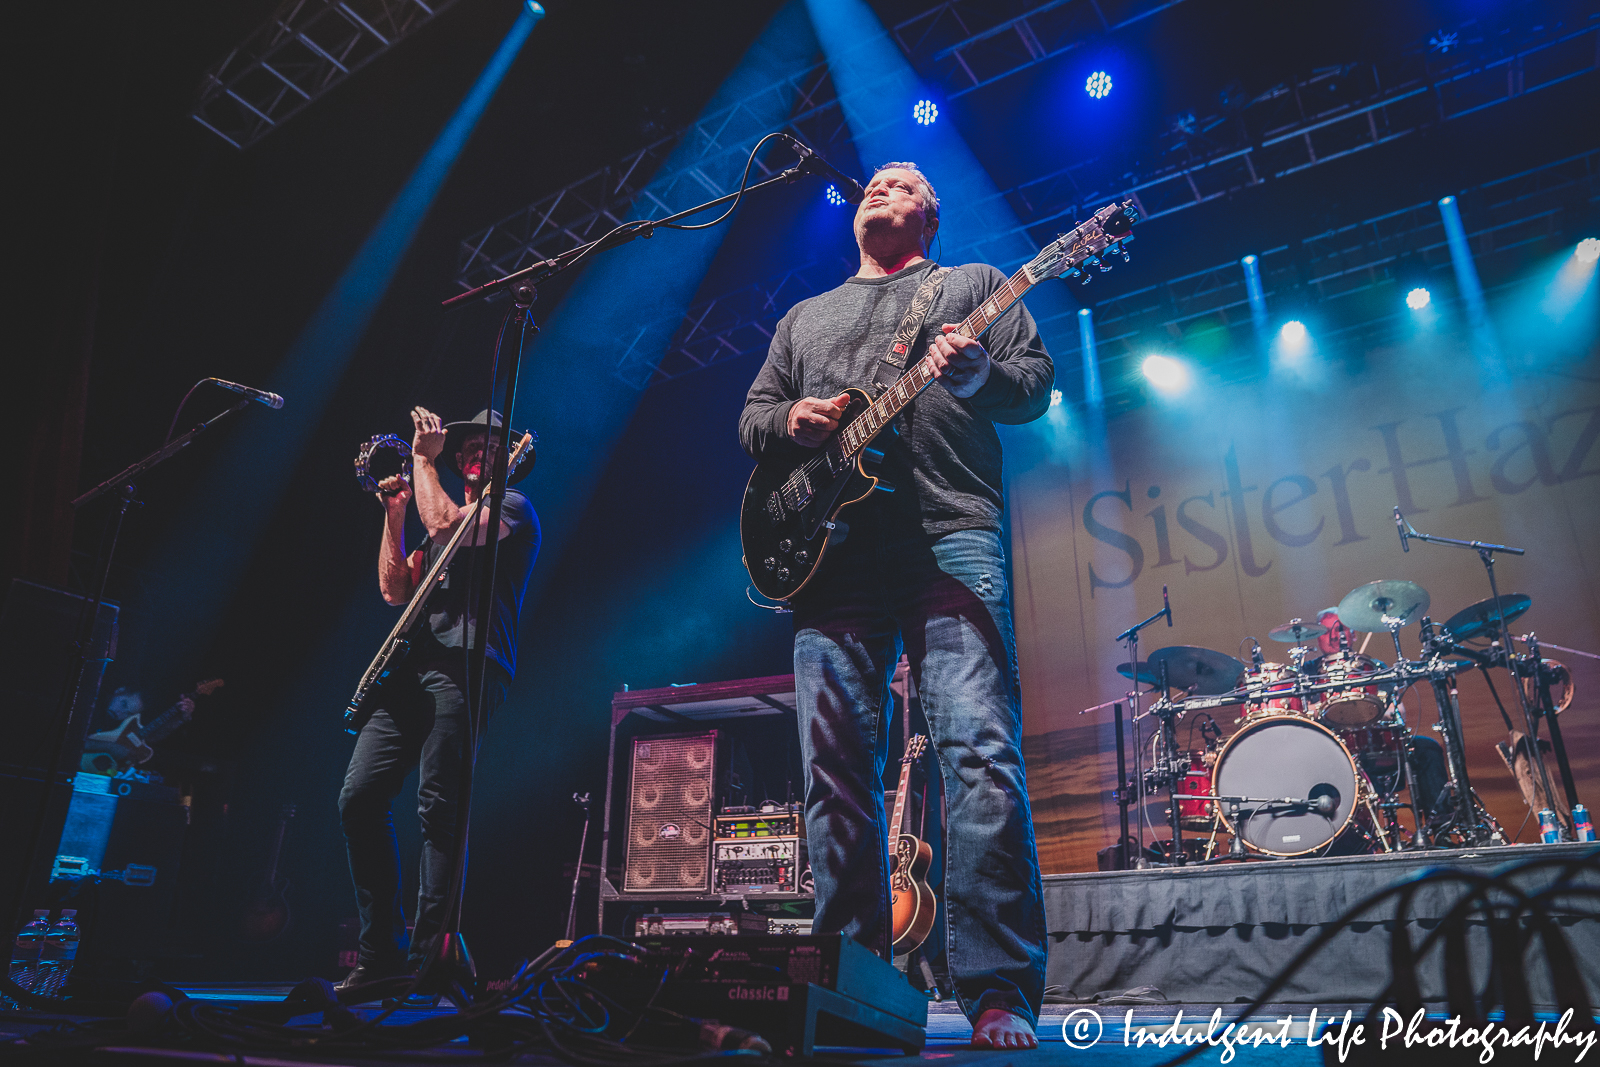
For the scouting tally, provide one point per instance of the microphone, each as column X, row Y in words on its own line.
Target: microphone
column 811, row 163
column 1325, row 805
column 1255, row 653
column 272, row 400
column 1166, row 606
column 1400, row 524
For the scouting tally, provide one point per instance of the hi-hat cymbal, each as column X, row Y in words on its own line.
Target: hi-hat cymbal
column 1480, row 619
column 1147, row 675
column 1200, row 670
column 1374, row 607
column 1296, row 631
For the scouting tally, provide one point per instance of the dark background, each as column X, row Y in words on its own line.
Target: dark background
column 146, row 254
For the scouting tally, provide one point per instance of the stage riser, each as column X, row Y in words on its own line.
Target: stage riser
column 1220, row 934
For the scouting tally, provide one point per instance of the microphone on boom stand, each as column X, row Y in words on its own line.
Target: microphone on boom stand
column 811, row 163
column 1400, row 525
column 261, row 396
column 1166, row 606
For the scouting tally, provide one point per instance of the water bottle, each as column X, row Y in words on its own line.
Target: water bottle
column 56, row 956
column 25, row 950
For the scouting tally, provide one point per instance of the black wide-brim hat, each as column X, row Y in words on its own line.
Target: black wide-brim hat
column 455, row 433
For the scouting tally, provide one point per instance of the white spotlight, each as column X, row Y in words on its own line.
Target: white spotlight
column 1418, row 298
column 1588, row 250
column 1055, row 398
column 1293, row 332
column 1165, row 373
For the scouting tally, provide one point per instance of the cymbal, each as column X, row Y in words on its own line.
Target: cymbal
column 1147, row 675
column 1200, row 670
column 1479, row 618
column 1296, row 631
column 1372, row 607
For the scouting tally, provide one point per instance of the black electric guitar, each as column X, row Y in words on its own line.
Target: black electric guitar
column 398, row 643
column 790, row 509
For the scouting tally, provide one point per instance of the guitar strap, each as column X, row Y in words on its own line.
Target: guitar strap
column 893, row 363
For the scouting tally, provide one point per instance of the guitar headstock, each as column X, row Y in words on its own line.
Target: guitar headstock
column 523, row 450
column 206, row 688
column 914, row 749
column 1072, row 254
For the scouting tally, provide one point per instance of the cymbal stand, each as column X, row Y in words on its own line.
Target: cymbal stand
column 1486, row 551
column 1547, row 708
column 1471, row 819
column 1130, row 637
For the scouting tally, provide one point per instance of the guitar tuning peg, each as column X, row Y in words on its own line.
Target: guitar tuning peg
column 1085, row 279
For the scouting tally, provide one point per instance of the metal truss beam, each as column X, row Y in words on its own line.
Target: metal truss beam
column 306, row 48
column 967, row 44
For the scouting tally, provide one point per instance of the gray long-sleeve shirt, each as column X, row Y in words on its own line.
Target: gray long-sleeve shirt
column 945, row 459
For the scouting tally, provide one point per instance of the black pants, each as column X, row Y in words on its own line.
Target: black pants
column 421, row 723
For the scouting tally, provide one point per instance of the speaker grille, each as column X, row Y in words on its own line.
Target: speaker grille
column 671, row 791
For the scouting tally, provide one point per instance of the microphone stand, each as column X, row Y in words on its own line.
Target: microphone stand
column 1130, row 637
column 1486, row 551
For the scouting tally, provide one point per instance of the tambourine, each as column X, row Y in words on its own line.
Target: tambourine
column 383, row 457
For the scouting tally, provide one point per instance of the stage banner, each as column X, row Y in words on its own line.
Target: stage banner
column 1263, row 502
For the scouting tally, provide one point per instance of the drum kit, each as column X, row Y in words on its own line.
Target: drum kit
column 1322, row 749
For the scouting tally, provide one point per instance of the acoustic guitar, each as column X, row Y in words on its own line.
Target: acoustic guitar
column 791, row 510
column 911, row 900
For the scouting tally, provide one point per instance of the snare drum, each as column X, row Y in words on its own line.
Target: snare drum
column 1270, row 686
column 1357, row 704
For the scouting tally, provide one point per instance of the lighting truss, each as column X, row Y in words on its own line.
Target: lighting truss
column 967, row 44
column 306, row 48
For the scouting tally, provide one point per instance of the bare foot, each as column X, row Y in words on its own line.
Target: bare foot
column 999, row 1028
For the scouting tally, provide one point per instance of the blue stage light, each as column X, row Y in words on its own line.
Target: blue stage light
column 1588, row 250
column 1418, row 298
column 925, row 112
column 834, row 196
column 1098, row 85
column 1165, row 373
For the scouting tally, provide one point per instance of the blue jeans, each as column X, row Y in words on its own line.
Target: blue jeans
column 420, row 724
column 947, row 600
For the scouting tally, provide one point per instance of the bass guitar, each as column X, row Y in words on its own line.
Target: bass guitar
column 911, row 901
column 398, row 643
column 790, row 509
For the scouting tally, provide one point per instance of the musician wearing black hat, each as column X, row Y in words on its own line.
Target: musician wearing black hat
column 422, row 718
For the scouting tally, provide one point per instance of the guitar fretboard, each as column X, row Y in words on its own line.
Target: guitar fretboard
column 871, row 422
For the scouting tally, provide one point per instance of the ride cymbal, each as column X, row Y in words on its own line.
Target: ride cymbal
column 1479, row 619
column 1374, row 607
column 1199, row 670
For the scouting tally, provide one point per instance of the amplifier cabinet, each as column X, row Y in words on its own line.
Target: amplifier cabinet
column 672, row 794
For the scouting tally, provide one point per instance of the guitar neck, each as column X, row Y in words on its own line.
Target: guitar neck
column 871, row 422
column 897, row 824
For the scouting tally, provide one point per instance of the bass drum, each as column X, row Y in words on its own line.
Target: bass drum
column 1286, row 756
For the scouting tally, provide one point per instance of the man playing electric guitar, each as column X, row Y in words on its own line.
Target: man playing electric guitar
column 923, row 566
column 420, row 717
